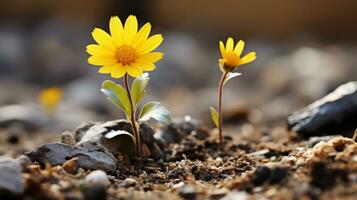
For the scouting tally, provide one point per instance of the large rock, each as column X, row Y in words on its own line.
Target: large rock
column 336, row 113
column 105, row 134
column 10, row 176
column 92, row 157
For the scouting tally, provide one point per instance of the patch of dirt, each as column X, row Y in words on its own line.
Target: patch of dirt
column 271, row 164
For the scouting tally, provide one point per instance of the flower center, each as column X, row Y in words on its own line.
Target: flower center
column 125, row 55
column 232, row 59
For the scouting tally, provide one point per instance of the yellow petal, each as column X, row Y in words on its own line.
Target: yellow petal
column 248, row 58
column 107, row 69
column 150, row 44
column 119, row 71
column 97, row 50
column 221, row 47
column 100, row 61
column 142, row 35
column 151, row 57
column 146, row 66
column 239, row 47
column 116, row 30
column 229, row 45
column 130, row 29
column 134, row 71
column 103, row 38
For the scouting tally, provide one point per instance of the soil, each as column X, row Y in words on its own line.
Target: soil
column 268, row 164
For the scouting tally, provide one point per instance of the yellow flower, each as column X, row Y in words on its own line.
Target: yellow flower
column 50, row 98
column 231, row 58
column 125, row 50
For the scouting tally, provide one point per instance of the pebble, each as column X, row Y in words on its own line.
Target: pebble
column 71, row 166
column 24, row 160
column 97, row 177
column 129, row 182
column 10, row 176
column 261, row 174
column 188, row 192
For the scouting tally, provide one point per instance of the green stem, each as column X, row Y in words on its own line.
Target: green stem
column 220, row 120
column 132, row 118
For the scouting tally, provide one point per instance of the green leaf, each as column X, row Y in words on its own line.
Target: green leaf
column 231, row 75
column 117, row 95
column 156, row 111
column 138, row 87
column 214, row 116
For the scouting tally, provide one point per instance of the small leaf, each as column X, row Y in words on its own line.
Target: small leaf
column 214, row 116
column 113, row 134
column 231, row 75
column 117, row 95
column 156, row 111
column 138, row 87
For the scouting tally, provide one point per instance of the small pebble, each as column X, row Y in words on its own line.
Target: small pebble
column 188, row 192
column 24, row 160
column 98, row 177
column 67, row 138
column 71, row 166
column 178, row 185
column 129, row 182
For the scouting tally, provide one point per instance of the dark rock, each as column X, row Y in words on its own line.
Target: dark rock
column 92, row 157
column 97, row 132
column 176, row 131
column 264, row 174
column 261, row 175
column 277, row 175
column 10, row 176
column 324, row 177
column 335, row 113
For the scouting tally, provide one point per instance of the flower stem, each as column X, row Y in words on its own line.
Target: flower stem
column 132, row 118
column 220, row 120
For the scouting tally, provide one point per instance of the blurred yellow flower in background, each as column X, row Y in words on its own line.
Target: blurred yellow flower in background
column 125, row 50
column 50, row 98
column 231, row 56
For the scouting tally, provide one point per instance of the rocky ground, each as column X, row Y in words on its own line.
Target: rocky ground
column 183, row 160
column 186, row 163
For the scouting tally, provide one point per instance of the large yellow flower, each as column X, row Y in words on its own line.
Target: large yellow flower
column 231, row 58
column 125, row 50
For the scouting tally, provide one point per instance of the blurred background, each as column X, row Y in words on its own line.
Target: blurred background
column 305, row 49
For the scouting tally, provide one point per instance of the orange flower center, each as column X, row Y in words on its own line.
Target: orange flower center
column 125, row 55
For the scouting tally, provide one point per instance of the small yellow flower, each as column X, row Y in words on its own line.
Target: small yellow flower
column 50, row 98
column 125, row 50
column 231, row 58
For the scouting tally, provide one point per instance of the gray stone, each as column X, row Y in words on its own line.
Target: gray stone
column 93, row 157
column 188, row 192
column 98, row 132
column 180, row 128
column 24, row 160
column 336, row 113
column 10, row 176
